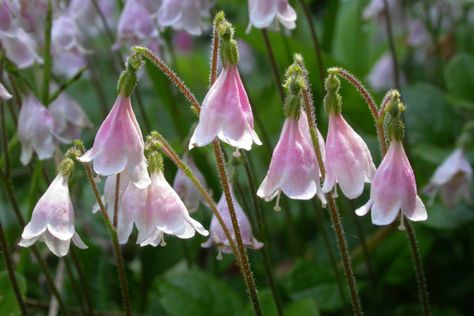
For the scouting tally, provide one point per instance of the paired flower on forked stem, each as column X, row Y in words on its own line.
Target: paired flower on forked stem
column 393, row 185
column 53, row 216
column 347, row 160
column 454, row 176
column 293, row 169
column 156, row 210
column 226, row 112
column 218, row 236
column 118, row 145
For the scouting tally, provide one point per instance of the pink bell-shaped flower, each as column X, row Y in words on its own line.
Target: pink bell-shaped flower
column 53, row 220
column 218, row 237
column 20, row 48
column 267, row 13
column 226, row 113
column 185, row 15
column 394, row 189
column 348, row 160
column 156, row 210
column 4, row 94
column 136, row 26
column 35, row 130
column 118, row 145
column 186, row 190
column 69, row 118
column 294, row 169
column 453, row 178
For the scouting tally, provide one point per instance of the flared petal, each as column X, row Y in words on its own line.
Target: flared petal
column 262, row 12
column 57, row 246
column 4, row 94
column 418, row 213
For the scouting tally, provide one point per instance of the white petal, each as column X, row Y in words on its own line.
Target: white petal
column 419, row 213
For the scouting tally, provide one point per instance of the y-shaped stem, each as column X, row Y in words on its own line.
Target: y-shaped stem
column 116, row 246
column 333, row 212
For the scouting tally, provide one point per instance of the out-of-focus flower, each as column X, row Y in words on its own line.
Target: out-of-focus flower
column 20, row 48
column 4, row 94
column 218, row 237
column 376, row 9
column 118, row 145
column 294, row 169
column 52, row 220
column 382, row 74
column 136, row 25
column 453, row 178
column 418, row 35
column 246, row 57
column 68, row 63
column 183, row 42
column 226, row 113
column 69, row 118
column 6, row 17
column 35, row 130
column 186, row 190
column 267, row 13
column 156, row 210
column 32, row 14
column 187, row 15
column 394, row 189
column 86, row 15
column 348, row 160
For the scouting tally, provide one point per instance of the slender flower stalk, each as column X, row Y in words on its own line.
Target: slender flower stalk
column 393, row 52
column 273, row 63
column 333, row 211
column 47, row 55
column 11, row 272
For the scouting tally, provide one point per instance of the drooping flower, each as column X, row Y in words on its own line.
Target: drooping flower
column 20, row 48
column 35, row 130
column 293, row 169
column 118, row 145
column 217, row 236
column 394, row 189
column 348, row 160
column 453, row 178
column 156, row 211
column 136, row 25
column 32, row 14
column 87, row 16
column 267, row 13
column 186, row 190
column 4, row 94
column 187, row 15
column 226, row 113
column 69, row 118
column 52, row 220
column 66, row 36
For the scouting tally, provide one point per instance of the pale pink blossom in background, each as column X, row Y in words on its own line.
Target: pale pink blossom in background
column 183, row 42
column 453, row 178
column 6, row 17
column 52, row 220
column 156, row 211
column 217, row 236
column 187, row 15
column 69, row 117
column 118, row 145
column 20, row 48
column 394, row 190
column 86, row 15
column 226, row 113
column 31, row 14
column 382, row 74
column 4, row 94
column 347, row 160
column 246, row 57
column 293, row 169
column 186, row 190
column 268, row 13
column 35, row 130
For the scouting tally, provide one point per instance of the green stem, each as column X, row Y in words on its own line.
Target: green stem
column 116, row 246
column 66, row 85
column 263, row 235
column 11, row 272
column 84, row 281
column 74, row 286
column 388, row 22
column 274, row 66
column 333, row 211
column 251, row 287
column 21, row 220
column 420, row 273
column 47, row 55
column 116, row 200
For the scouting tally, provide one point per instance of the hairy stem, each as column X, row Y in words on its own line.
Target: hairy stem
column 333, row 211
column 11, row 272
column 47, row 55
column 116, row 246
column 116, row 200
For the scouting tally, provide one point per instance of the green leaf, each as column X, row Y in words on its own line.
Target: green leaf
column 8, row 303
column 449, row 218
column 305, row 307
column 267, row 304
column 197, row 293
column 459, row 76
